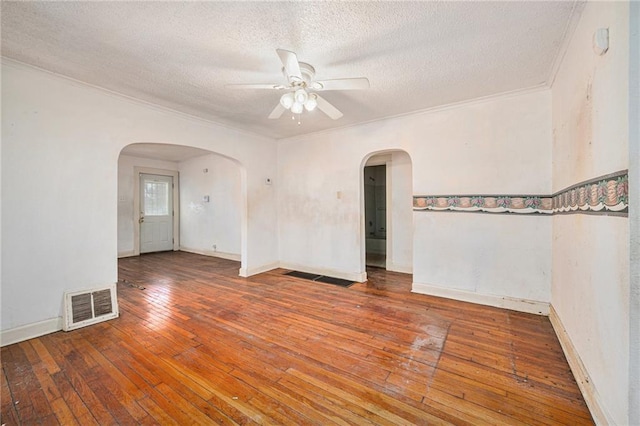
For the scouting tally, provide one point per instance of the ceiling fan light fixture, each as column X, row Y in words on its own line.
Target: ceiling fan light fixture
column 287, row 100
column 300, row 90
column 311, row 103
column 301, row 96
column 296, row 108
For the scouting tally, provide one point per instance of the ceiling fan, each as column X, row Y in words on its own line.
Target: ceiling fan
column 301, row 88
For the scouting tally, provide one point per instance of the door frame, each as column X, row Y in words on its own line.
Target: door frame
column 384, row 159
column 137, row 171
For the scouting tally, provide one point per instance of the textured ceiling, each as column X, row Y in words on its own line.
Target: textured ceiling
column 180, row 55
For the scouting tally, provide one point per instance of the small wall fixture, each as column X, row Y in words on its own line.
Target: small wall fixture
column 601, row 41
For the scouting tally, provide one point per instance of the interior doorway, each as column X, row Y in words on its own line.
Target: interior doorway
column 375, row 215
column 387, row 211
column 206, row 202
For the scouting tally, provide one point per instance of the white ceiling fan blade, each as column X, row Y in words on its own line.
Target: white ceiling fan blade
column 327, row 108
column 343, row 84
column 290, row 63
column 255, row 86
column 277, row 112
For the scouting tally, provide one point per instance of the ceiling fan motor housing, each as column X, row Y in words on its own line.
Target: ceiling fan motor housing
column 301, row 87
column 307, row 72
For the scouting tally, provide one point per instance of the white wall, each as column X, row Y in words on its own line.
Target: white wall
column 202, row 224
column 60, row 146
column 497, row 146
column 400, row 234
column 590, row 285
column 216, row 222
column 634, row 213
column 126, row 215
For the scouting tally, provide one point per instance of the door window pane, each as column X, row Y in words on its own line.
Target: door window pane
column 156, row 198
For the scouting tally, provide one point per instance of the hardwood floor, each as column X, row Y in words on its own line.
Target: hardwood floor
column 200, row 345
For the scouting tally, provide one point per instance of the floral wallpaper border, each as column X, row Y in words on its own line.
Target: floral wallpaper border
column 607, row 194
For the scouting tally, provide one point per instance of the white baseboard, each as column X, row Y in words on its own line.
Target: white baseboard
column 350, row 276
column 129, row 253
column 220, row 254
column 30, row 331
column 405, row 269
column 520, row 305
column 247, row 272
column 588, row 389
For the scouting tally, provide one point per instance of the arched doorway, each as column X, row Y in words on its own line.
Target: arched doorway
column 386, row 211
column 209, row 199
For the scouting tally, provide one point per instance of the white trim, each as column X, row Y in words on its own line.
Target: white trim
column 405, row 269
column 220, row 254
column 378, row 160
column 388, row 205
column 30, row 331
column 136, row 101
column 569, row 31
column 17, row 64
column 247, row 272
column 350, row 276
column 634, row 213
column 515, row 304
column 137, row 171
column 128, row 253
column 438, row 108
column 588, row 389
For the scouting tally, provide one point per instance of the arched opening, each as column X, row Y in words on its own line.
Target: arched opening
column 203, row 194
column 386, row 212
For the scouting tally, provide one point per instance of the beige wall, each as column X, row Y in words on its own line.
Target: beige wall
column 210, row 227
column 590, row 284
column 496, row 146
column 60, row 146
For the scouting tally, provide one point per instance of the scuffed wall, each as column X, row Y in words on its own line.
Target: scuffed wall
column 210, row 226
column 590, row 284
column 60, row 146
column 502, row 145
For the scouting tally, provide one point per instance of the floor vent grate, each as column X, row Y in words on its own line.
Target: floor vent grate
column 83, row 308
column 320, row 278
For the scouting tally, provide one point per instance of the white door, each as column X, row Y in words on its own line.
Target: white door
column 156, row 213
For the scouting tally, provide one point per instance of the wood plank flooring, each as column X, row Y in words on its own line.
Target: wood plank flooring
column 200, row 345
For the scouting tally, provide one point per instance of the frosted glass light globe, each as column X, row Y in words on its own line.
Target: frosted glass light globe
column 301, row 96
column 287, row 100
column 296, row 108
column 311, row 103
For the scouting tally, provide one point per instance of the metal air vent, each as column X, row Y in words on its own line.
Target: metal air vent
column 88, row 307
